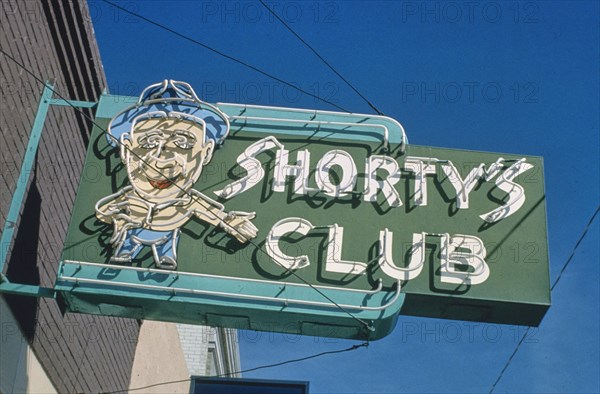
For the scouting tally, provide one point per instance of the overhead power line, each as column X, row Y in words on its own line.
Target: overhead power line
column 355, row 347
column 366, row 325
column 587, row 227
column 510, row 359
column 296, row 360
column 194, row 198
column 243, row 63
column 321, row 57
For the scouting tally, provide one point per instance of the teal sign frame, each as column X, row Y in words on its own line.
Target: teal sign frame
column 462, row 237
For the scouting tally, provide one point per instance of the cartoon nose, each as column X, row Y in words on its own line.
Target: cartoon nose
column 163, row 153
column 158, row 150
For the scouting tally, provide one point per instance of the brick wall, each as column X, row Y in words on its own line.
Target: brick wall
column 194, row 343
column 201, row 345
column 55, row 41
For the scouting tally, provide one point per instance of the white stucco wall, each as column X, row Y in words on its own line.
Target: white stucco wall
column 159, row 359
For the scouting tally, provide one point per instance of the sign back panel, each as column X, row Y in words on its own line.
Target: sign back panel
column 343, row 233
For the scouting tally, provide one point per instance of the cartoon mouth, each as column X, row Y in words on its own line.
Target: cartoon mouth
column 163, row 183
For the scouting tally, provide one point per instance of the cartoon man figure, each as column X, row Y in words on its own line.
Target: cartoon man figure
column 164, row 141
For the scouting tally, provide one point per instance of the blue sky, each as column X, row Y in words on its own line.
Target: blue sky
column 514, row 77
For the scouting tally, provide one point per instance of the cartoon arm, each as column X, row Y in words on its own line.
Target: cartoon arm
column 114, row 209
column 236, row 223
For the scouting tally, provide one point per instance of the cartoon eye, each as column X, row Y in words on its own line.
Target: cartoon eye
column 184, row 140
column 150, row 142
column 149, row 145
column 182, row 145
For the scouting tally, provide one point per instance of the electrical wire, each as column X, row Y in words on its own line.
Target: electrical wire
column 321, row 57
column 194, row 198
column 355, row 347
column 243, row 63
column 296, row 360
column 366, row 325
column 575, row 248
column 509, row 361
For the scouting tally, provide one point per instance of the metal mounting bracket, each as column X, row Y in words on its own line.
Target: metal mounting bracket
column 8, row 231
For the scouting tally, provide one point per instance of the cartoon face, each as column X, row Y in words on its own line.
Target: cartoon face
column 165, row 155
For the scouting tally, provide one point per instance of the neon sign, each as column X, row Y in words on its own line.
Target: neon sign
column 293, row 220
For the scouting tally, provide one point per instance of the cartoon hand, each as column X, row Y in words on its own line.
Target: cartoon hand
column 240, row 226
column 121, row 223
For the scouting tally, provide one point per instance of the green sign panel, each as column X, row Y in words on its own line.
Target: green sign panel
column 303, row 221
